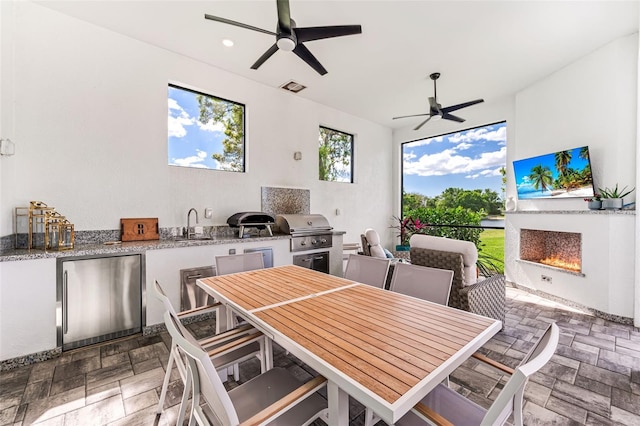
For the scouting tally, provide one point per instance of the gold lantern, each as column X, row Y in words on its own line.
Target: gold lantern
column 38, row 212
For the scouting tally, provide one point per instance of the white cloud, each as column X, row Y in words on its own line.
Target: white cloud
column 408, row 156
column 176, row 124
column 192, row 161
column 499, row 135
column 424, row 142
column 485, row 173
column 462, row 146
column 449, row 162
column 211, row 126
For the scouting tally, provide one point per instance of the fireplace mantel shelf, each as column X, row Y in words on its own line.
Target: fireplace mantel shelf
column 598, row 212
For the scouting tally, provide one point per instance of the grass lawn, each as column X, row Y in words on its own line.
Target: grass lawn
column 492, row 243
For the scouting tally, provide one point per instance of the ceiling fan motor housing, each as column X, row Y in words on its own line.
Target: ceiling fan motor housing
column 286, row 42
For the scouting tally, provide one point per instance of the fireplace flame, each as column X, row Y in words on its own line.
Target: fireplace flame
column 557, row 262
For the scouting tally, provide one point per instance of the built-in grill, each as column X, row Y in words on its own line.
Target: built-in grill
column 309, row 232
column 257, row 220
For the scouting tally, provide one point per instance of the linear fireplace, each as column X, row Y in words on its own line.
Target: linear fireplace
column 557, row 249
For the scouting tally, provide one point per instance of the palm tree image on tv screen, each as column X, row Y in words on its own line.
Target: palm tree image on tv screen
column 560, row 174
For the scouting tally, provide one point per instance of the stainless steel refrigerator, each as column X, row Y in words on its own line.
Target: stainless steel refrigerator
column 99, row 298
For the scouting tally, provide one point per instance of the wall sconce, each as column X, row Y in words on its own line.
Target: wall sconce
column 7, row 147
column 297, row 155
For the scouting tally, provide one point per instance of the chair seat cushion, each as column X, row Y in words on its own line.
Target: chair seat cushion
column 466, row 248
column 450, row 405
column 274, row 384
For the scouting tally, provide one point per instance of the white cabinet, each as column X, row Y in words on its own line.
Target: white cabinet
column 27, row 307
column 165, row 265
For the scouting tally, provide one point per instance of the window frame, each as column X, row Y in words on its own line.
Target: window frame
column 351, row 154
column 402, row 144
column 244, row 127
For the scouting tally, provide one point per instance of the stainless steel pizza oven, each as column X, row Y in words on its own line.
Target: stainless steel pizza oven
column 257, row 220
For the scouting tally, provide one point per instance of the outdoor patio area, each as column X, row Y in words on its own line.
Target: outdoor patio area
column 593, row 379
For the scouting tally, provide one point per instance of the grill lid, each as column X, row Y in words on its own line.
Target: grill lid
column 299, row 224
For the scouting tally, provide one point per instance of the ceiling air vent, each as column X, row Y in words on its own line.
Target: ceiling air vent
column 292, row 86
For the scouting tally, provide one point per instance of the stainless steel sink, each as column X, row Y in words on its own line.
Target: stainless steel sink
column 193, row 238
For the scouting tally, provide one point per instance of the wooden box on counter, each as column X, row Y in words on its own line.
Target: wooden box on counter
column 139, row 229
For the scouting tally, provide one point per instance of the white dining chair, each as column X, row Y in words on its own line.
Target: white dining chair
column 226, row 349
column 425, row 283
column 233, row 263
column 444, row 406
column 367, row 270
column 275, row 395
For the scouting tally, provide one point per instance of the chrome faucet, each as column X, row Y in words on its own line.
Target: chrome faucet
column 187, row 232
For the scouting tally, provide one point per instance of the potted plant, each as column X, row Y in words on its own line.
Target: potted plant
column 595, row 202
column 612, row 198
column 407, row 227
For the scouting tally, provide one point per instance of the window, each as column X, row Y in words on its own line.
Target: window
column 464, row 168
column 205, row 131
column 335, row 155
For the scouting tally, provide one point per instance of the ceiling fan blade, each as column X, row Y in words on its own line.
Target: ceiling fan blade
column 284, row 16
column 266, row 55
column 237, row 24
column 318, row 33
column 304, row 54
column 447, row 116
column 407, row 116
column 423, row 123
column 460, row 106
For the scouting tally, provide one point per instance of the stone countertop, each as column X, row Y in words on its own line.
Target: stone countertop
column 128, row 247
column 132, row 247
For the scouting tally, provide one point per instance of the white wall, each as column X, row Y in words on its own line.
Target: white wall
column 590, row 102
column 593, row 102
column 88, row 114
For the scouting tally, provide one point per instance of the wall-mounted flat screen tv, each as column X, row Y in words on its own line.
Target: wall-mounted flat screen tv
column 557, row 175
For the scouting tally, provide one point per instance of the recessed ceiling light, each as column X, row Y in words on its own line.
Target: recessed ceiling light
column 227, row 42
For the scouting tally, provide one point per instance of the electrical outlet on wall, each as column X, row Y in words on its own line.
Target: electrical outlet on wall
column 546, row 278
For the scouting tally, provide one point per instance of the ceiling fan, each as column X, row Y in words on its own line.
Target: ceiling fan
column 435, row 109
column 291, row 38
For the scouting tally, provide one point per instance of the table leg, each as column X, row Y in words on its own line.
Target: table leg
column 338, row 401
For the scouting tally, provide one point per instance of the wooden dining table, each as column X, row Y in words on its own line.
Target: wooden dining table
column 384, row 349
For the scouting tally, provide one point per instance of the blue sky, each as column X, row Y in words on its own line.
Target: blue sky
column 470, row 159
column 191, row 143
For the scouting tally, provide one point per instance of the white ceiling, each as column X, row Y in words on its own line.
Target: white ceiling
column 484, row 49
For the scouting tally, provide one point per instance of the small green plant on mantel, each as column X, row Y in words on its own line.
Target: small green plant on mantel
column 612, row 197
column 615, row 192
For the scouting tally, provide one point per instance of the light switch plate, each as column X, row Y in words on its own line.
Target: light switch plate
column 208, row 212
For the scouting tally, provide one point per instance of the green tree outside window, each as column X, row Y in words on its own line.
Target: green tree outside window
column 335, row 155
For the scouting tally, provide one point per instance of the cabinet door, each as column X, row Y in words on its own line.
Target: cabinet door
column 101, row 299
column 86, row 299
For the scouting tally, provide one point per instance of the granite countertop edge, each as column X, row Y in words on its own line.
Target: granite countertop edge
column 126, row 247
column 132, row 247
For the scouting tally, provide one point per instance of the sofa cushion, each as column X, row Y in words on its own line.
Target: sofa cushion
column 374, row 243
column 466, row 248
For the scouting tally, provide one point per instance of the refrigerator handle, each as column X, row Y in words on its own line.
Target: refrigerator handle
column 65, row 312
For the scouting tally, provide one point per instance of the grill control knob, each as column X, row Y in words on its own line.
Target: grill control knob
column 303, row 243
column 314, row 242
column 323, row 240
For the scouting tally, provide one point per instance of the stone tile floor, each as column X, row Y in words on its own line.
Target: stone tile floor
column 593, row 379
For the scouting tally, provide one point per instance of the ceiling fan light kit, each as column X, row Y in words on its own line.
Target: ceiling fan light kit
column 436, row 110
column 289, row 38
